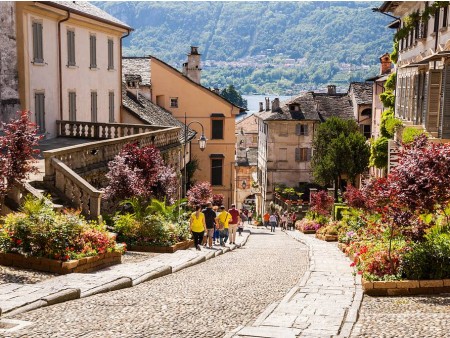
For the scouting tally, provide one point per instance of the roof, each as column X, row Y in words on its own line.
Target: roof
column 389, row 6
column 362, row 92
column 313, row 107
column 197, row 84
column 152, row 114
column 137, row 66
column 248, row 124
column 87, row 9
column 250, row 159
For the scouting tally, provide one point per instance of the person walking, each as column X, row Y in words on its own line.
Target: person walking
column 266, row 219
column 216, row 238
column 222, row 224
column 250, row 215
column 198, row 226
column 241, row 224
column 283, row 222
column 210, row 220
column 289, row 221
column 233, row 224
column 272, row 222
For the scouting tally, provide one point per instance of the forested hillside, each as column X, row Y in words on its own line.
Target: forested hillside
column 261, row 46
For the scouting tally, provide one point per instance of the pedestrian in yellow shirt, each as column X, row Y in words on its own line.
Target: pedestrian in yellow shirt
column 222, row 224
column 198, row 226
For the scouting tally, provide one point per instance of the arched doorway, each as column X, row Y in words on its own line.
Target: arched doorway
column 249, row 202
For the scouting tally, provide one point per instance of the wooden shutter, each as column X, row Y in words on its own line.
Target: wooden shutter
column 72, row 106
column 298, row 129
column 111, row 107
column 305, row 129
column 93, row 51
column 38, row 55
column 446, row 103
column 297, row 154
column 110, row 54
column 71, row 48
column 93, row 106
column 308, row 154
column 39, row 106
column 434, row 93
column 425, row 98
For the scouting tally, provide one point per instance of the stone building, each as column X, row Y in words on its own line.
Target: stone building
column 246, row 162
column 286, row 132
column 423, row 69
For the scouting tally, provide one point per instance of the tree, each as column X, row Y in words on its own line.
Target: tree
column 17, row 147
column 339, row 149
column 140, row 172
column 231, row 94
column 200, row 194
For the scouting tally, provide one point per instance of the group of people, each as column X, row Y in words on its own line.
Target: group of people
column 285, row 220
column 216, row 226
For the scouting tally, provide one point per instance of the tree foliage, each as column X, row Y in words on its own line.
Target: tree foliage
column 200, row 194
column 231, row 94
column 140, row 172
column 339, row 148
column 17, row 148
column 321, row 203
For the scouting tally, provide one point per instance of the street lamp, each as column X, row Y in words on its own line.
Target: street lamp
column 201, row 144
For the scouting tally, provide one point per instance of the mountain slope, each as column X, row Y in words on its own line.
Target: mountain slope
column 326, row 39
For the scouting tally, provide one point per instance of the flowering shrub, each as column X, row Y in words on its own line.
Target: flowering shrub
column 354, row 197
column 217, row 199
column 321, row 203
column 307, row 224
column 41, row 232
column 140, row 172
column 17, row 147
column 331, row 229
column 200, row 193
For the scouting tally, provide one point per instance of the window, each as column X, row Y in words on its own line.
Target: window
column 302, row 154
column 39, row 107
column 71, row 48
column 366, row 130
column 72, row 106
column 283, row 154
column 445, row 17
column 111, row 107
column 174, row 102
column 217, row 129
column 110, row 54
column 284, row 129
column 93, row 106
column 216, row 171
column 93, row 51
column 38, row 53
column 301, row 129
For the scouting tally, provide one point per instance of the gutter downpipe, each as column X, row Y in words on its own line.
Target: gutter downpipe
column 120, row 70
column 60, row 64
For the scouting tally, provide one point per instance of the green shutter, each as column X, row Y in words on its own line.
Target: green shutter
column 93, row 106
column 111, row 107
column 110, row 54
column 93, row 51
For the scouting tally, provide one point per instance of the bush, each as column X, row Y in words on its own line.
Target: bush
column 41, row 232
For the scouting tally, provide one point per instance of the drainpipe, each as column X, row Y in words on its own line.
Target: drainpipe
column 60, row 64
column 120, row 72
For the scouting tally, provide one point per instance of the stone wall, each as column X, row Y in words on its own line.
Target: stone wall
column 9, row 84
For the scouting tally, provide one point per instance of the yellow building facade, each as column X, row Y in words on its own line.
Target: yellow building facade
column 182, row 95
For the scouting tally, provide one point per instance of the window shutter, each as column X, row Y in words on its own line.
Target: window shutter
column 415, row 96
column 425, row 98
column 446, row 104
column 110, row 54
column 35, row 41
column 306, row 129
column 71, row 48
column 94, row 106
column 298, row 129
column 93, row 50
column 297, row 154
column 434, row 100
column 308, row 154
column 111, row 107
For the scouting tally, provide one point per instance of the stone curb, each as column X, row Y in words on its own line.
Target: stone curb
column 120, row 283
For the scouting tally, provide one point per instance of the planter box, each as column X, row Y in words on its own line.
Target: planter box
column 162, row 249
column 328, row 238
column 308, row 232
column 406, row 287
column 86, row 264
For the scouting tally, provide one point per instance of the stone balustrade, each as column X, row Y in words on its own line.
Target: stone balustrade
column 62, row 164
column 99, row 130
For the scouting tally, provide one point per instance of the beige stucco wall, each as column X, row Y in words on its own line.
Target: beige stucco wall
column 80, row 78
column 199, row 103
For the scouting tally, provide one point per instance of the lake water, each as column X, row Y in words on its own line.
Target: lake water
column 254, row 100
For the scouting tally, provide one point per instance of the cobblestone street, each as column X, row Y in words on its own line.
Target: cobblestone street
column 206, row 300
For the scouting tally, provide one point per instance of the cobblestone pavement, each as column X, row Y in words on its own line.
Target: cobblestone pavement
column 324, row 303
column 16, row 275
column 205, row 300
column 404, row 317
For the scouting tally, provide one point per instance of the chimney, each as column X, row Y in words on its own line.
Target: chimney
column 385, row 64
column 261, row 106
column 275, row 104
column 331, row 89
column 267, row 104
column 191, row 68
